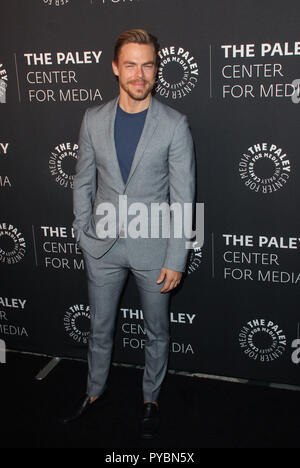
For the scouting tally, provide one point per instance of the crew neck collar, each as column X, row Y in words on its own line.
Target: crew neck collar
column 130, row 113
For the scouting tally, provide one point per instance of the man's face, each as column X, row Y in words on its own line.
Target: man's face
column 136, row 69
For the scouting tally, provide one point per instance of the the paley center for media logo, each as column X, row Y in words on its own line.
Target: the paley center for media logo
column 56, row 3
column 262, row 340
column 265, row 168
column 62, row 163
column 77, row 323
column 178, row 73
column 12, row 244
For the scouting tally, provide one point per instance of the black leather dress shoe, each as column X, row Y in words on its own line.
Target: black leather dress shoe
column 150, row 421
column 84, row 406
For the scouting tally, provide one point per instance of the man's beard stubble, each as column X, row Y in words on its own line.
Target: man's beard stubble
column 138, row 96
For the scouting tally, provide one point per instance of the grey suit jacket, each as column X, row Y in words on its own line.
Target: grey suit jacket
column 163, row 170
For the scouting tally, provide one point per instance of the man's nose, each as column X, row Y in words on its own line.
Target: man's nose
column 140, row 72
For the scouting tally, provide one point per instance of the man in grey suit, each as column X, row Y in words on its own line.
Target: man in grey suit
column 135, row 154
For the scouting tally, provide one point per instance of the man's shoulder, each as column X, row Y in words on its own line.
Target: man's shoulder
column 167, row 112
column 99, row 110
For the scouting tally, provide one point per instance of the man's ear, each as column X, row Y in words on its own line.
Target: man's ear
column 115, row 68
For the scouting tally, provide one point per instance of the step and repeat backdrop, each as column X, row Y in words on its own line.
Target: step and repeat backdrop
column 233, row 68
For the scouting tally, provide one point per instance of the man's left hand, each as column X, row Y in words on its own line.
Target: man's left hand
column 172, row 279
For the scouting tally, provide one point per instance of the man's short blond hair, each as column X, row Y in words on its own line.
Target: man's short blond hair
column 136, row 36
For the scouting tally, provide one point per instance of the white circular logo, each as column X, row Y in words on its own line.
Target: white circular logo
column 3, row 84
column 56, row 3
column 194, row 259
column 178, row 73
column 262, row 340
column 12, row 244
column 62, row 163
column 265, row 168
column 77, row 323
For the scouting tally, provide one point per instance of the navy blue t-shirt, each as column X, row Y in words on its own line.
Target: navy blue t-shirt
column 128, row 130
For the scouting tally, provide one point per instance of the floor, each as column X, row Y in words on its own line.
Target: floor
column 195, row 413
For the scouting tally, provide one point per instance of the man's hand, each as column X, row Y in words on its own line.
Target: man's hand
column 172, row 279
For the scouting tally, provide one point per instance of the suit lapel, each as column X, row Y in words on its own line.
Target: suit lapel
column 110, row 121
column 147, row 133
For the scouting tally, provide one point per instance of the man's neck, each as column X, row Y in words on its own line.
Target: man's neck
column 133, row 106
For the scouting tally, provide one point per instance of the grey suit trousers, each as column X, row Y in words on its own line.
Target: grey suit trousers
column 106, row 278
